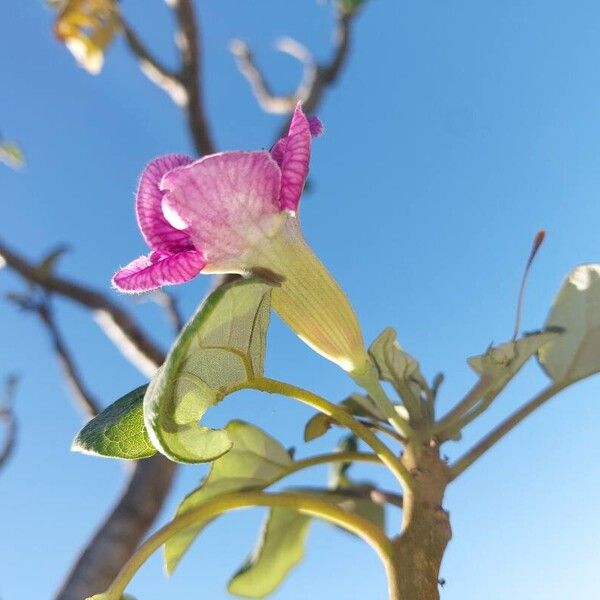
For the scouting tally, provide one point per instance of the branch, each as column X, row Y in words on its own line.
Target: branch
column 116, row 323
column 467, row 459
column 156, row 72
column 381, row 497
column 446, row 427
column 122, row 531
column 7, row 417
column 125, row 526
column 82, row 396
column 191, row 73
column 168, row 302
column 316, row 77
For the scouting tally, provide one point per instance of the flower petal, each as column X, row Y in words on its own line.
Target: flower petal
column 227, row 200
column 278, row 149
column 150, row 272
column 157, row 231
column 294, row 164
column 316, row 126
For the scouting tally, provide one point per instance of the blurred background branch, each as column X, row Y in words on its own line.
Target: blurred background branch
column 8, row 418
column 316, row 77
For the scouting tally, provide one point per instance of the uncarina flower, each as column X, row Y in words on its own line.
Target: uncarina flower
column 236, row 212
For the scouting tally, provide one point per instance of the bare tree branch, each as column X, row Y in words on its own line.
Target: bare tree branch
column 83, row 397
column 8, row 419
column 121, row 532
column 316, row 77
column 156, row 72
column 169, row 303
column 116, row 323
column 191, row 74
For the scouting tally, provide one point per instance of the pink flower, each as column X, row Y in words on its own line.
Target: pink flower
column 236, row 212
column 203, row 215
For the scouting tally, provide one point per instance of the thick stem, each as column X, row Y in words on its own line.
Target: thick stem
column 418, row 550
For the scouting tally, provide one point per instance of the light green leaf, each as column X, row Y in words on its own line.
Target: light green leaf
column 501, row 363
column 280, row 546
column 279, row 549
column 254, row 462
column 220, row 350
column 338, row 477
column 11, row 155
column 355, row 404
column 118, row 431
column 399, row 368
column 575, row 353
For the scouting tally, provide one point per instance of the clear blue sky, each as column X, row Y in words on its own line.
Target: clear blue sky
column 458, row 129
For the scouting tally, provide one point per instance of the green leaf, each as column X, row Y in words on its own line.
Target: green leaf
column 279, row 549
column 11, row 155
column 118, row 431
column 399, row 368
column 220, row 350
column 281, row 542
column 254, row 462
column 355, row 404
column 338, row 471
column 575, row 353
column 501, row 363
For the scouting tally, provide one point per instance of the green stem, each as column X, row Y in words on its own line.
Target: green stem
column 383, row 429
column 322, row 459
column 370, row 382
column 386, row 455
column 467, row 459
column 453, row 419
column 202, row 514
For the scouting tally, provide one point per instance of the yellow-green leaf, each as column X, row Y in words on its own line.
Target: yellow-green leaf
column 280, row 548
column 281, row 542
column 254, row 461
column 11, row 155
column 87, row 28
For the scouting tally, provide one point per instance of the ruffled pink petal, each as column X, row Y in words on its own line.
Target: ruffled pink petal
column 278, row 150
column 316, row 126
column 225, row 200
column 150, row 272
column 157, row 231
column 294, row 164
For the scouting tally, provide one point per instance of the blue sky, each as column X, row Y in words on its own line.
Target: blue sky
column 458, row 130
